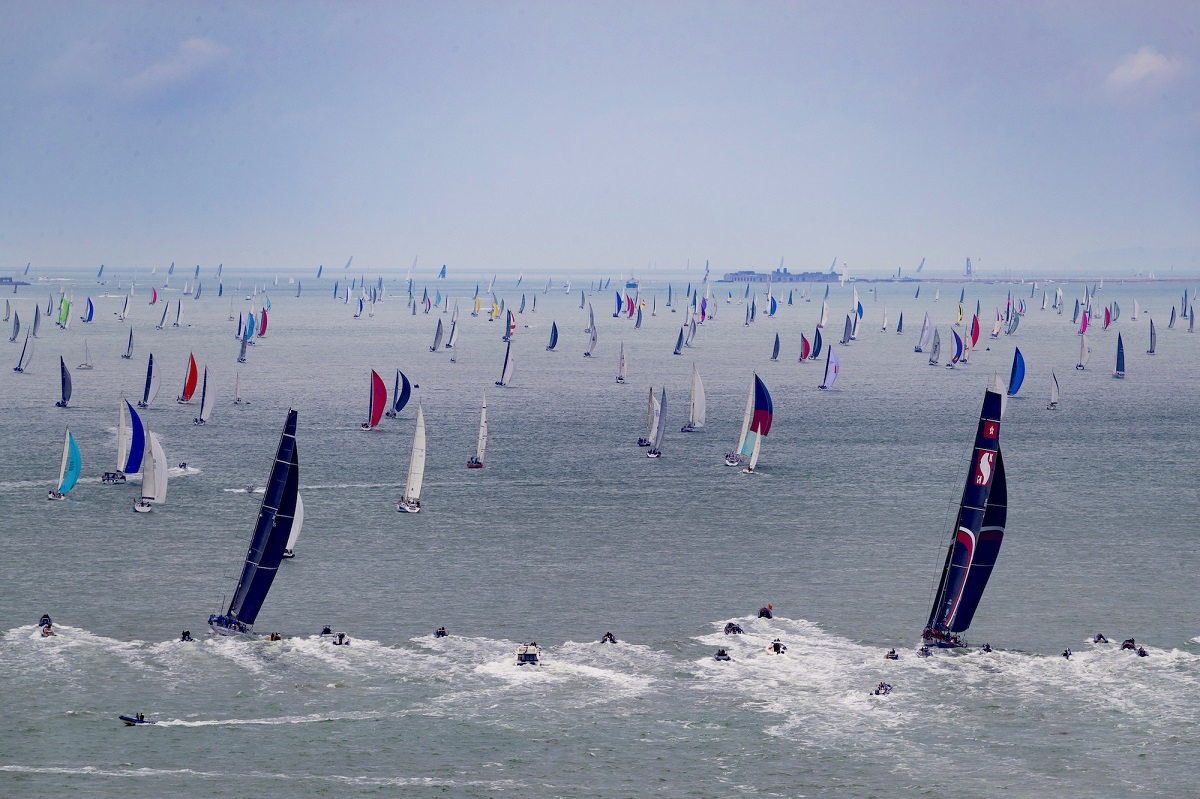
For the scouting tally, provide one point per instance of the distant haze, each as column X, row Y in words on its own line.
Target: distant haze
column 602, row 138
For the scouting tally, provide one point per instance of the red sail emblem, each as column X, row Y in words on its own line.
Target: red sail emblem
column 985, row 468
column 990, row 430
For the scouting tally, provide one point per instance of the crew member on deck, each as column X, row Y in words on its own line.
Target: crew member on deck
column 440, row 632
column 186, row 635
column 608, row 638
column 891, row 655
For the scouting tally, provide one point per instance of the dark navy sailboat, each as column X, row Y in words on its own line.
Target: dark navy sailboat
column 274, row 525
column 978, row 532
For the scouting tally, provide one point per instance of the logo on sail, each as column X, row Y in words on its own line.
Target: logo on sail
column 985, row 468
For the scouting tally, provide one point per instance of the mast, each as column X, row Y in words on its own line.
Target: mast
column 481, row 442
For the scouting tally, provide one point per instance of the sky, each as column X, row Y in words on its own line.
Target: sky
column 596, row 138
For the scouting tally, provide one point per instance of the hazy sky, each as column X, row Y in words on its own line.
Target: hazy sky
column 600, row 137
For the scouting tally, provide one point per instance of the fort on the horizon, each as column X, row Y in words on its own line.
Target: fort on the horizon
column 779, row 276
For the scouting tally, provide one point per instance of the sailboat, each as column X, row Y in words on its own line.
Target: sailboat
column 1053, row 406
column 376, row 401
column 481, row 442
column 276, row 517
column 591, row 341
column 926, row 334
column 16, row 330
column 936, row 351
column 832, row 365
column 1119, row 372
column 775, row 349
column 660, row 427
column 400, row 394
column 696, row 405
column 553, row 337
column 1017, row 376
column 621, row 365
column 900, row 324
column 411, row 503
column 679, row 343
column 68, row 471
column 207, row 400
column 26, row 354
column 1085, row 352
column 163, row 321
column 977, row 535
column 506, row 371
column 65, row 374
column 237, row 390
column 437, row 337
column 87, row 358
column 757, row 425
column 131, row 441
column 644, row 441
column 191, row 376
column 154, row 475
column 734, row 457
column 1153, row 338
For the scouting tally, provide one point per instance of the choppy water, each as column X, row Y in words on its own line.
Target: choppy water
column 570, row 531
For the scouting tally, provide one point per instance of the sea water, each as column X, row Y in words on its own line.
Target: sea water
column 570, row 531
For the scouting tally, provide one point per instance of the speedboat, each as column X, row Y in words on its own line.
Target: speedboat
column 133, row 721
column 883, row 689
column 529, row 654
column 722, row 655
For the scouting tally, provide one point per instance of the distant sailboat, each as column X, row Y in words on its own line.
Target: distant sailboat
column 376, row 401
column 289, row 549
column 660, row 427
column 16, row 328
column 1153, row 338
column 622, row 365
column 207, row 400
column 1085, row 352
column 832, row 366
column 87, row 358
column 644, row 441
column 437, row 338
column 26, row 355
column 591, row 343
column 65, row 375
column 272, row 529
column 1119, row 372
column 237, row 390
column 936, row 351
column 775, row 349
column 480, row 442
column 68, row 471
column 696, row 405
column 1017, row 375
column 977, row 535
column 411, row 503
column 679, row 343
column 553, row 337
column 1053, row 406
column 191, row 376
column 400, row 395
column 506, row 371
column 927, row 332
column 154, row 475
column 131, row 441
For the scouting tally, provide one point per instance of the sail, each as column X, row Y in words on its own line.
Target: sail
column 697, row 406
column 91, row 311
column 17, row 326
column 272, row 529
column 761, row 413
column 1017, row 375
column 416, row 462
column 553, row 336
column 154, row 470
column 207, row 398
column 1153, row 338
column 506, row 370
column 621, row 364
column 935, row 351
column 153, row 380
column 401, row 392
column 978, row 530
column 131, row 463
column 377, row 399
column 660, row 428
column 1054, row 394
column 900, row 324
column 591, row 342
column 846, row 334
column 831, row 369
column 1085, row 352
column 1120, row 370
column 481, row 441
column 775, row 349
column 679, row 342
column 805, row 348
column 437, row 337
column 68, row 472
column 926, row 333
column 262, row 324
column 37, row 319
column 191, row 377
column 65, row 374
column 957, row 355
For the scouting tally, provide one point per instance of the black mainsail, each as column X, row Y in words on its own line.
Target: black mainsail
column 271, row 531
column 978, row 533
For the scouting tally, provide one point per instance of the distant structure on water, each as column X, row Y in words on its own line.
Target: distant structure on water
column 779, row 276
column 8, row 281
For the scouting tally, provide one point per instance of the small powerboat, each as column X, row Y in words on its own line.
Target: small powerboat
column 529, row 654
column 722, row 655
column 135, row 720
column 883, row 689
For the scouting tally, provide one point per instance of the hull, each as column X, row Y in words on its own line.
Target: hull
column 407, row 507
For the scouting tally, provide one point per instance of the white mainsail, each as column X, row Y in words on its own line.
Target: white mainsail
column 697, row 407
column 481, row 442
column 416, row 463
column 154, row 471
